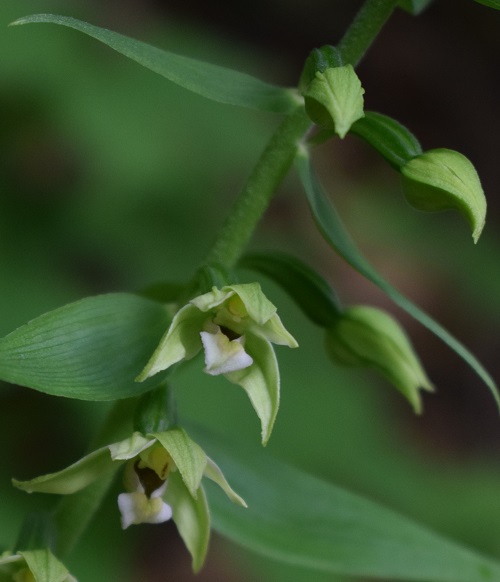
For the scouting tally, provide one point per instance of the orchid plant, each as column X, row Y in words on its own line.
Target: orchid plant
column 128, row 347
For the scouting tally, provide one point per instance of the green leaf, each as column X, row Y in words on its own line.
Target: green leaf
column 335, row 234
column 491, row 3
column 91, row 349
column 298, row 519
column 444, row 179
column 391, row 139
column 191, row 516
column 73, row 478
column 414, row 6
column 187, row 455
column 308, row 289
column 211, row 81
column 261, row 382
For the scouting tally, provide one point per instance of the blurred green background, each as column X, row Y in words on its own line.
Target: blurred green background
column 111, row 179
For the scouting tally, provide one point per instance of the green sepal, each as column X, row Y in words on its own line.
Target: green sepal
column 319, row 59
column 414, row 6
column 156, row 411
column 37, row 531
column 91, row 349
column 367, row 336
column 307, row 288
column 213, row 472
column 180, row 341
column 388, row 137
column 72, row 478
column 334, row 99
column 211, row 81
column 261, row 382
column 188, row 456
column 191, row 516
column 45, row 567
column 444, row 179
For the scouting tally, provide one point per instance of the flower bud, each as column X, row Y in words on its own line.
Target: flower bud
column 443, row 179
column 334, row 99
column 366, row 336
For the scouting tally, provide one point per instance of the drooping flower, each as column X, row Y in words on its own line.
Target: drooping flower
column 367, row 336
column 162, row 480
column 235, row 326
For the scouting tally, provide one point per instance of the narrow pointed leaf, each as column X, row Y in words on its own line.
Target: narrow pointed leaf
column 491, row 3
column 73, row 478
column 301, row 520
column 187, row 455
column 211, row 81
column 261, row 382
column 308, row 289
column 335, row 234
column 91, row 349
column 191, row 516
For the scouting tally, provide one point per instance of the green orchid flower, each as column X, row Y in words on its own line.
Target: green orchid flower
column 162, row 479
column 235, row 326
column 33, row 566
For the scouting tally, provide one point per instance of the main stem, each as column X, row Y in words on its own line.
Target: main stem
column 253, row 200
column 364, row 29
column 280, row 152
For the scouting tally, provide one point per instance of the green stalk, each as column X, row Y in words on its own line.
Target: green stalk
column 254, row 199
column 364, row 29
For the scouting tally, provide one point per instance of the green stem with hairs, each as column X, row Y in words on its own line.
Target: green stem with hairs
column 254, row 199
column 364, row 29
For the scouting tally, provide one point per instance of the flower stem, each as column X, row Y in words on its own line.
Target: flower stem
column 253, row 200
column 364, row 29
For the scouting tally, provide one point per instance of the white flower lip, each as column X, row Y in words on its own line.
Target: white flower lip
column 223, row 355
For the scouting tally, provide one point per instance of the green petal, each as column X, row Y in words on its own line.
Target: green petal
column 73, row 478
column 181, row 341
column 212, row 299
column 191, row 516
column 129, row 448
column 213, row 472
column 443, row 179
column 261, row 382
column 45, row 567
column 188, row 456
